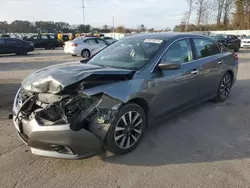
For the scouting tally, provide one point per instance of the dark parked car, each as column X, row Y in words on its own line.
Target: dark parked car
column 44, row 41
column 230, row 41
column 72, row 110
column 17, row 46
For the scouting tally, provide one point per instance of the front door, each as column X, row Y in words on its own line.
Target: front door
column 92, row 45
column 176, row 88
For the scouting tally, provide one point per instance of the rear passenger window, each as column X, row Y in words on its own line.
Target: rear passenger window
column 179, row 51
column 91, row 41
column 205, row 48
column 101, row 41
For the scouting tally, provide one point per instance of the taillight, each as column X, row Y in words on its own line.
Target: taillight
column 235, row 56
column 73, row 44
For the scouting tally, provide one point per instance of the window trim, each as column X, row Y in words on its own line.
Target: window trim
column 190, row 38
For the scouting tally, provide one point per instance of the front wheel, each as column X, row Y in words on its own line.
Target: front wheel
column 85, row 53
column 126, row 130
column 224, row 88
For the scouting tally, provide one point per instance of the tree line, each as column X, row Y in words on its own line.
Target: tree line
column 22, row 26
column 216, row 15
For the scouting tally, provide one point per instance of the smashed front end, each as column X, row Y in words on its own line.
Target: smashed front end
column 68, row 125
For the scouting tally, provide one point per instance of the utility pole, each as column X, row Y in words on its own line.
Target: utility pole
column 83, row 12
column 113, row 24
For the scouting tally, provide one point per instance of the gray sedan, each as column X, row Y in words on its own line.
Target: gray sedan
column 74, row 110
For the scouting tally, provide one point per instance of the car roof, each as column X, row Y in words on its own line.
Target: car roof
column 166, row 36
column 83, row 37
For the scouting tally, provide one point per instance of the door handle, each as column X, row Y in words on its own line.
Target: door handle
column 219, row 62
column 195, row 72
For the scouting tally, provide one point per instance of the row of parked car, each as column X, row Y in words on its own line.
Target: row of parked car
column 233, row 42
column 27, row 44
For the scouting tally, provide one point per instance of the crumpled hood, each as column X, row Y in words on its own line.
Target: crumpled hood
column 55, row 78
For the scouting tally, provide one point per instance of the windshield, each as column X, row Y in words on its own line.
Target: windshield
column 128, row 53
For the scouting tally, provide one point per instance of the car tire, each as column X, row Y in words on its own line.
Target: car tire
column 122, row 138
column 224, row 88
column 85, row 53
column 73, row 55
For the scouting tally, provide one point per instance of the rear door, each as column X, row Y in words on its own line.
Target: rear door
column 45, row 42
column 102, row 43
column 208, row 55
column 92, row 44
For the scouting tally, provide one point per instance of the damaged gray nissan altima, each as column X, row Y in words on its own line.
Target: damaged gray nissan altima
column 73, row 110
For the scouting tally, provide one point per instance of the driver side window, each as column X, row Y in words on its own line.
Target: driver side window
column 179, row 51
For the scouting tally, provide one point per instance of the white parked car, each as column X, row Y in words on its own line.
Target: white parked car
column 110, row 40
column 245, row 42
column 84, row 46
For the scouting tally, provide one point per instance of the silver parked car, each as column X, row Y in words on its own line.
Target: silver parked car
column 73, row 110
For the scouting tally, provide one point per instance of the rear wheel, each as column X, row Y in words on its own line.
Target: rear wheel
column 85, row 53
column 224, row 88
column 126, row 130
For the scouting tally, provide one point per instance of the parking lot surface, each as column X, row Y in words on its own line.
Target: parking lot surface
column 206, row 146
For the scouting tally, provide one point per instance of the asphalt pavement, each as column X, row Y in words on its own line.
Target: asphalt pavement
column 205, row 146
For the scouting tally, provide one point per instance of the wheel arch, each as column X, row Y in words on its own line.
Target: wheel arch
column 231, row 73
column 143, row 104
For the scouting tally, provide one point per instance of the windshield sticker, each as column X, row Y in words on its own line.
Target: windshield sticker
column 153, row 41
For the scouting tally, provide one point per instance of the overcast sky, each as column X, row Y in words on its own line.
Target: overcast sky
column 130, row 13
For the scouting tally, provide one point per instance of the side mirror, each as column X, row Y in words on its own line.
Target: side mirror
column 170, row 65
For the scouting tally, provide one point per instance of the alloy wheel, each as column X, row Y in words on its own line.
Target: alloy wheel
column 85, row 54
column 128, row 130
column 225, row 87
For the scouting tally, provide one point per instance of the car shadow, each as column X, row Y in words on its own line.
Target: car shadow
column 205, row 133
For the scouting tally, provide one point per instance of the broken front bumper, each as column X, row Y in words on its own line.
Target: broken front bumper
column 69, row 141
column 58, row 140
